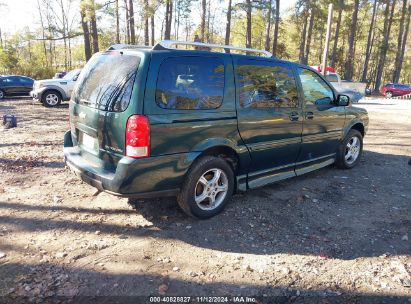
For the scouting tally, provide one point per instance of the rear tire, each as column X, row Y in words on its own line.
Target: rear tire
column 51, row 98
column 2, row 95
column 350, row 150
column 208, row 186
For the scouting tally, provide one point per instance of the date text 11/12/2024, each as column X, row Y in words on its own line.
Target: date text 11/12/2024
column 202, row 299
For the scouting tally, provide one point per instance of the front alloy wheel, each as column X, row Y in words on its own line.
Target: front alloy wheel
column 51, row 99
column 350, row 150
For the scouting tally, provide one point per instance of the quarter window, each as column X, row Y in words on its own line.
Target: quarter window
column 190, row 83
column 315, row 89
column 264, row 84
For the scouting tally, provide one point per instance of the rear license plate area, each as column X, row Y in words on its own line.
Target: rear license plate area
column 89, row 143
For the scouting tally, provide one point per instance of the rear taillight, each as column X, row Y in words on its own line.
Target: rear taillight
column 138, row 136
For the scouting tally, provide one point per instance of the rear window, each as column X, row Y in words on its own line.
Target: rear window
column 332, row 78
column 190, row 83
column 106, row 82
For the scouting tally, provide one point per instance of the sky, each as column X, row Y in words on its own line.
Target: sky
column 18, row 14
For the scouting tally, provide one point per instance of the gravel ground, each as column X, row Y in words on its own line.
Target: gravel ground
column 329, row 235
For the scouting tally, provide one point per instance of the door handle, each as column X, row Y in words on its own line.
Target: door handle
column 309, row 115
column 294, row 116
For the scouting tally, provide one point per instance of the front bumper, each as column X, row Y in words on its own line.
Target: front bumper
column 37, row 93
column 139, row 178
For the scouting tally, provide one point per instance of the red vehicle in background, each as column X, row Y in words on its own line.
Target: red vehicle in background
column 395, row 89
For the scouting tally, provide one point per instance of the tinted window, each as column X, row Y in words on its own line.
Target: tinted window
column 189, row 83
column 11, row 81
column 315, row 89
column 264, row 84
column 5, row 81
column 25, row 81
column 332, row 78
column 70, row 75
column 106, row 82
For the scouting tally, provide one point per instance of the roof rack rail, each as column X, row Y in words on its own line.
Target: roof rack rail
column 127, row 46
column 167, row 44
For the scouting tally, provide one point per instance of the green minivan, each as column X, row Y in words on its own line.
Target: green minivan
column 201, row 125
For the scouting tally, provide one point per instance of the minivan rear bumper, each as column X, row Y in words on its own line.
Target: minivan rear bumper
column 138, row 178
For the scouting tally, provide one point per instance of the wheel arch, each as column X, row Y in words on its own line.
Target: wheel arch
column 236, row 156
column 356, row 125
column 359, row 127
column 225, row 152
column 56, row 89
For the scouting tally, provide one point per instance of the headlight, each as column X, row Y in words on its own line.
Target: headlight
column 38, row 85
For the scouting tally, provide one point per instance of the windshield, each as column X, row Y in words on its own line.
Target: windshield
column 106, row 81
column 70, row 75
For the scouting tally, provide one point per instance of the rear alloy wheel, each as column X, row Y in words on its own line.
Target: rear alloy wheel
column 51, row 99
column 350, row 150
column 208, row 187
column 2, row 95
column 388, row 94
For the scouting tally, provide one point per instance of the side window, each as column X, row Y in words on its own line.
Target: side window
column 264, row 84
column 190, row 83
column 316, row 91
column 14, row 81
column 25, row 81
column 6, row 81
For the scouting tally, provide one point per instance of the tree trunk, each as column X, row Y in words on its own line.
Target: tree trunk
column 93, row 23
column 208, row 23
column 168, row 19
column 127, row 22
column 132, row 25
column 267, row 35
column 397, row 69
column 117, row 22
column 86, row 32
column 303, row 35
column 404, row 43
column 64, row 34
column 276, row 26
column 146, row 30
column 369, row 44
column 152, row 28
column 337, row 34
column 228, row 25
column 42, row 32
column 203, row 19
column 248, row 36
column 349, row 61
column 385, row 43
column 309, row 34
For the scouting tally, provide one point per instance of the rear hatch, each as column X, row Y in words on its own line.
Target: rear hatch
column 100, row 106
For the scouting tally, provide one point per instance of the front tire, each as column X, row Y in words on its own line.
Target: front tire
column 388, row 95
column 51, row 99
column 350, row 150
column 2, row 95
column 208, row 186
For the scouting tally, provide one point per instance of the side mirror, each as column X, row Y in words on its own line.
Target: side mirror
column 343, row 100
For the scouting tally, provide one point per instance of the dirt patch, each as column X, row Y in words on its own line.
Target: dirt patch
column 328, row 233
